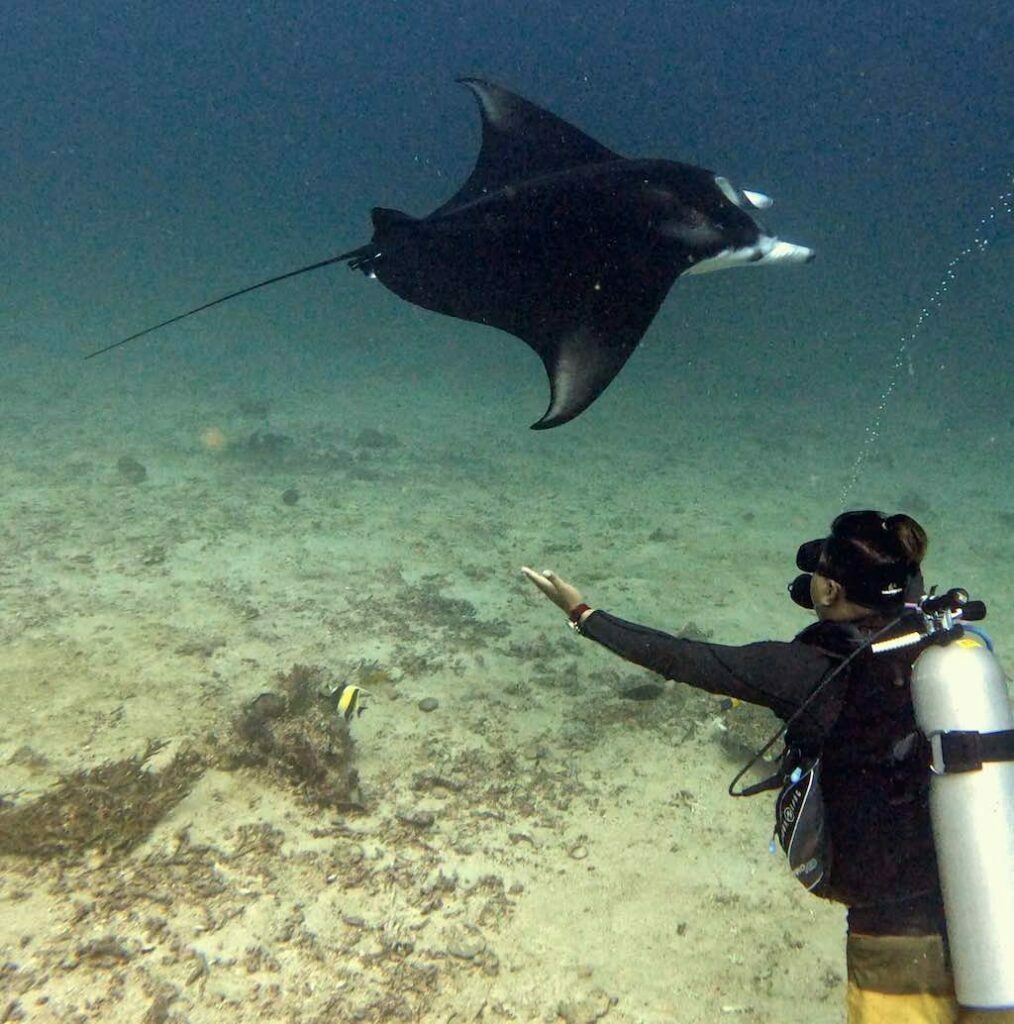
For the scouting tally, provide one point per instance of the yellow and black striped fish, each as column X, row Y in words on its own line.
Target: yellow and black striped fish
column 349, row 699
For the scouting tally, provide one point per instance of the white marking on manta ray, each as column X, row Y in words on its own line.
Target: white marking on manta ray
column 499, row 116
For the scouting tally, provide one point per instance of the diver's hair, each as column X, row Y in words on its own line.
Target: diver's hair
column 909, row 535
column 876, row 539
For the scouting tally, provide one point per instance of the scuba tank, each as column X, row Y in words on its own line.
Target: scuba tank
column 963, row 709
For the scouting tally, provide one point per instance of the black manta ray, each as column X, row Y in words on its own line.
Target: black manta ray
column 561, row 242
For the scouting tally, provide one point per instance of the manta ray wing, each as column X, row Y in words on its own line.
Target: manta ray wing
column 520, row 141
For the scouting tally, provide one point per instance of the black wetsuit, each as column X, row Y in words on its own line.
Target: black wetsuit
column 875, row 776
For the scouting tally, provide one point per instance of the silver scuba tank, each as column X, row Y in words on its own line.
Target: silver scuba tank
column 963, row 708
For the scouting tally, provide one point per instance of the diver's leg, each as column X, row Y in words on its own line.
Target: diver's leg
column 899, row 979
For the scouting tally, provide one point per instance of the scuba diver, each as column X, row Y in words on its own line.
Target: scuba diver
column 853, row 811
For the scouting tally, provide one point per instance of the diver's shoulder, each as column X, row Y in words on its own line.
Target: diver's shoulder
column 843, row 638
column 835, row 638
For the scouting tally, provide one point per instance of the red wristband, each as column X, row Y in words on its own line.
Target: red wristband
column 576, row 613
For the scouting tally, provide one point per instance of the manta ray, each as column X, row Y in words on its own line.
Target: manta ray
column 559, row 241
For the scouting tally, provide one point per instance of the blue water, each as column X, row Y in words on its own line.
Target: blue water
column 156, row 155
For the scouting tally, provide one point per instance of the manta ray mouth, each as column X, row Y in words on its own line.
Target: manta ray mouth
column 767, row 250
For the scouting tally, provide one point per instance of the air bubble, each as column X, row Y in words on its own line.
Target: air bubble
column 1003, row 205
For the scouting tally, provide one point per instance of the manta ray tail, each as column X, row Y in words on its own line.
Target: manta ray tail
column 219, row 301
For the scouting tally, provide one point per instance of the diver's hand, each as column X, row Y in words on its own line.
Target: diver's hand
column 559, row 591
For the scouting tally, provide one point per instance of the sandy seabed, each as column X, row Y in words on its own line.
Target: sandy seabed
column 537, row 846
